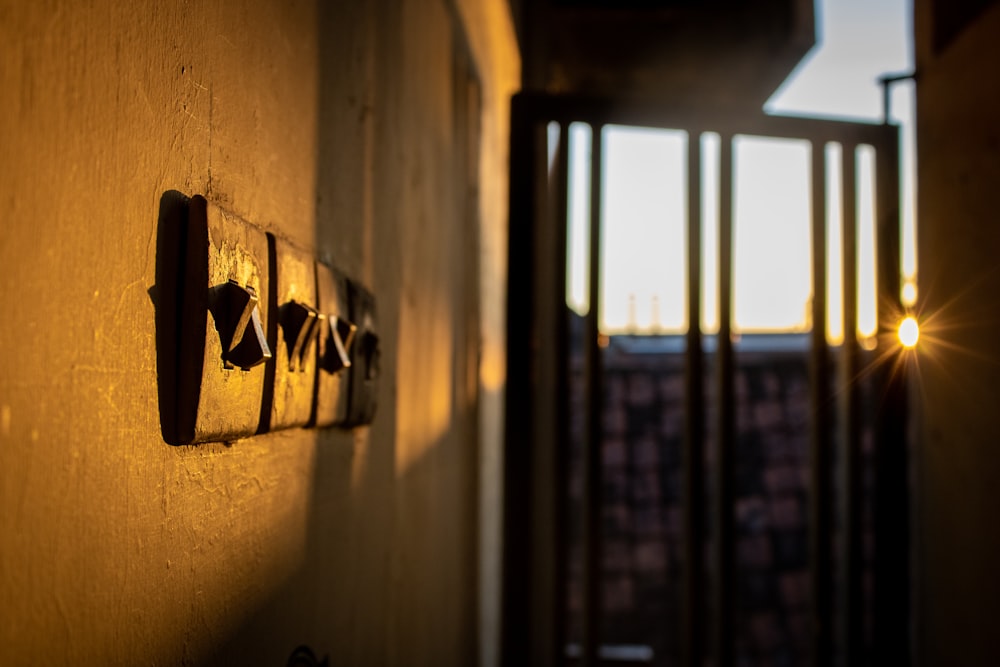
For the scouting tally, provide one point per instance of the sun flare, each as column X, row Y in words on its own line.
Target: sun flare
column 909, row 332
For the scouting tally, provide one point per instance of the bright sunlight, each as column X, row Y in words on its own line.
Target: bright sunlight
column 643, row 259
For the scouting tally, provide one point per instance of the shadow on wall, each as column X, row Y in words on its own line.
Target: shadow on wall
column 170, row 240
column 342, row 605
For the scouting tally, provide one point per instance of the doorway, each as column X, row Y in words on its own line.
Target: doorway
column 682, row 487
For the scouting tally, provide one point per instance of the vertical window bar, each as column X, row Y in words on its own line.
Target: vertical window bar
column 724, row 524
column 821, row 522
column 592, row 478
column 694, row 422
column 545, row 429
column 561, row 466
column 517, row 565
column 892, row 512
column 853, row 487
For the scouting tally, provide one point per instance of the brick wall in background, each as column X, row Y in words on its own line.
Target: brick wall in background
column 643, row 421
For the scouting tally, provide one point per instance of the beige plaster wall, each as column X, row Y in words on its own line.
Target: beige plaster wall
column 332, row 124
column 958, row 458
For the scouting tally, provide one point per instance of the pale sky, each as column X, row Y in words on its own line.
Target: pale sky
column 644, row 254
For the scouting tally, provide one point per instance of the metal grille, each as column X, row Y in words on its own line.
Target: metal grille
column 847, row 625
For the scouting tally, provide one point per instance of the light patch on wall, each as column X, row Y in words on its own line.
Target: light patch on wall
column 425, row 376
column 359, row 461
column 492, row 368
column 5, row 420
